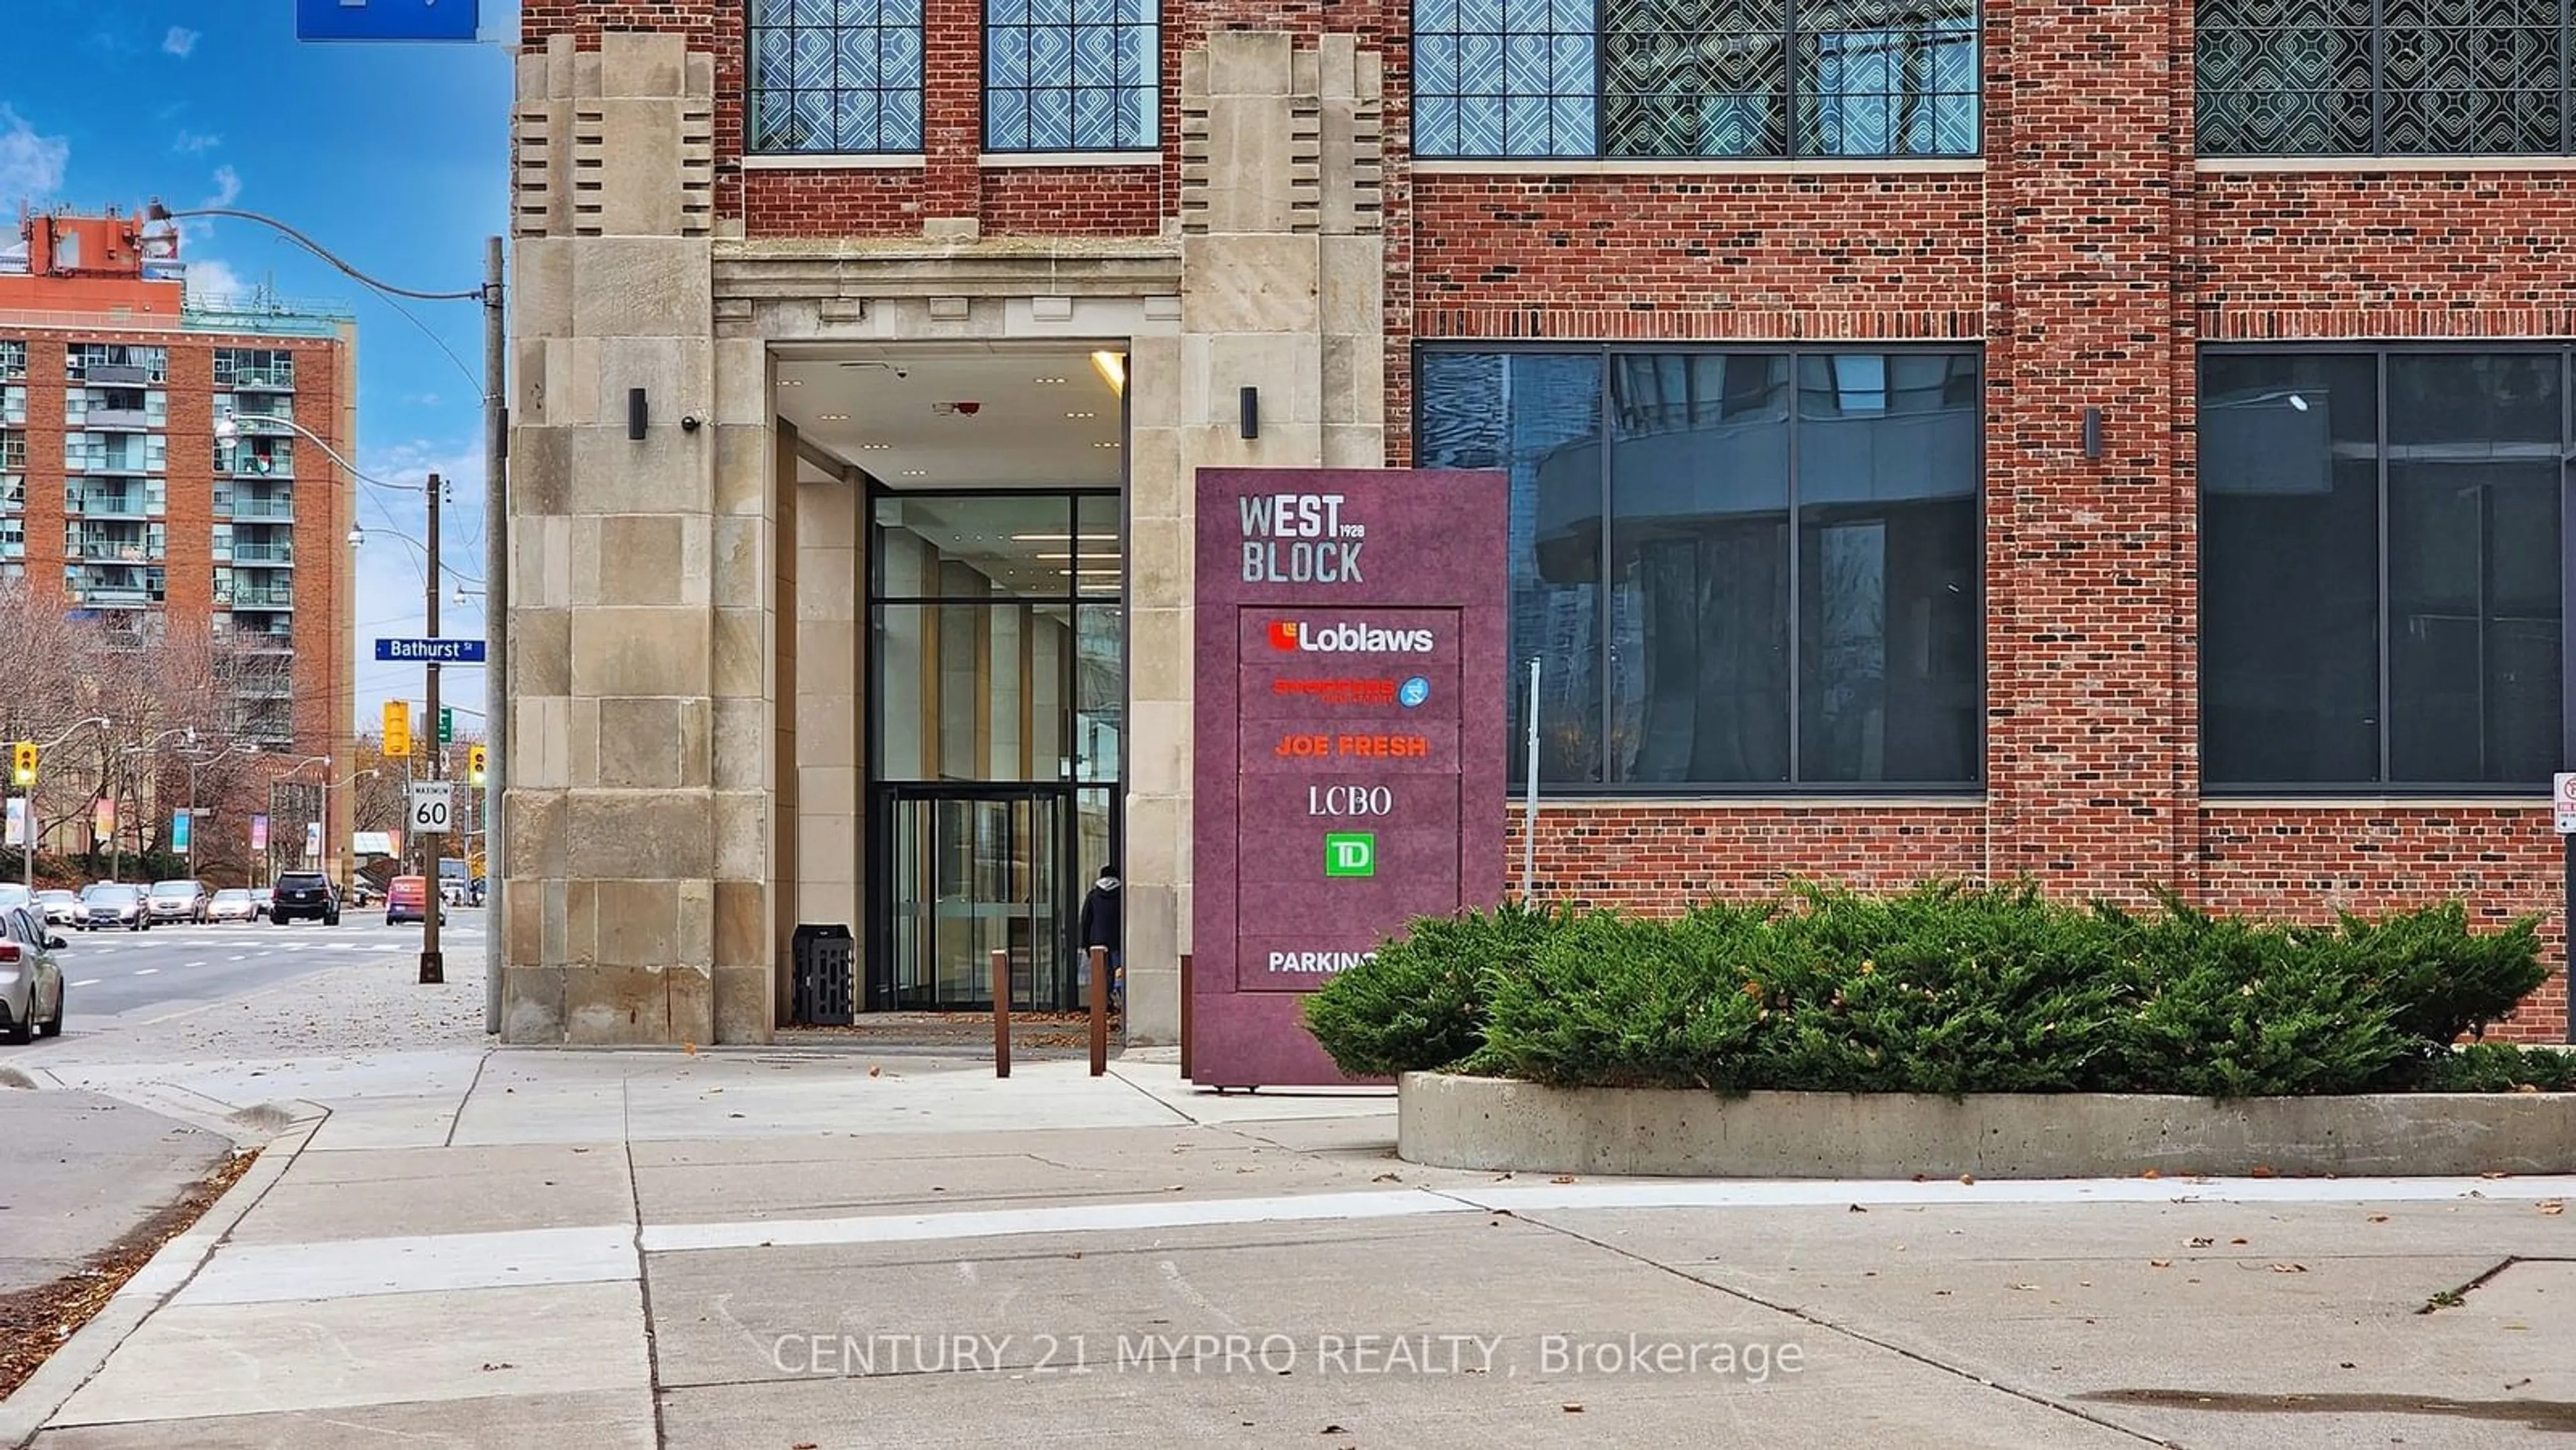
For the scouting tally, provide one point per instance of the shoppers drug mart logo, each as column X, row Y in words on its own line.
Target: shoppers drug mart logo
column 1348, row 639
column 1413, row 692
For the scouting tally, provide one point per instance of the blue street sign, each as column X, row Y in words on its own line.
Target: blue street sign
column 430, row 651
column 385, row 19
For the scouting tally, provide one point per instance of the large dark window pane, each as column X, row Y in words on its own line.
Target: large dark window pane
column 1699, row 562
column 2289, row 488
column 1537, row 417
column 2473, row 596
column 1758, row 568
column 2379, row 568
column 1888, row 567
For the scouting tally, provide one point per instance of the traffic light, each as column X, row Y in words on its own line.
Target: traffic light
column 474, row 765
column 397, row 729
column 22, row 764
column 446, row 725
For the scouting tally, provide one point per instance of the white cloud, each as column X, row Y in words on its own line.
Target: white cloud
column 210, row 278
column 31, row 165
column 180, row 41
column 227, row 188
column 196, row 142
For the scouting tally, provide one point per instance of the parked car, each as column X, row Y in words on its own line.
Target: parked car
column 232, row 904
column 31, row 980
column 113, row 903
column 407, row 899
column 362, row 892
column 304, row 895
column 60, row 908
column 260, row 897
column 180, row 900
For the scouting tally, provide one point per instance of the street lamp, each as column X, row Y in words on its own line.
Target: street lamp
column 433, row 963
column 496, row 514
column 27, row 840
column 269, row 856
column 116, row 836
column 194, row 762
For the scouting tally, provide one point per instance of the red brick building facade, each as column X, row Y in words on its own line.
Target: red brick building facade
column 2081, row 248
column 165, row 534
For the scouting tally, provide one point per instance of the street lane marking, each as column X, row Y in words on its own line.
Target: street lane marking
column 147, row 971
column 243, row 958
column 196, row 964
column 92, row 982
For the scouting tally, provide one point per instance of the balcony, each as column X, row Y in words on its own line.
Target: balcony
column 128, row 465
column 115, row 420
column 268, row 685
column 273, row 556
column 108, row 504
column 117, row 551
column 260, row 380
column 253, row 466
column 116, row 375
column 260, row 510
column 102, row 596
column 260, row 641
column 254, row 597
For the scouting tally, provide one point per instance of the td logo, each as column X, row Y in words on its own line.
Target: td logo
column 1350, row 853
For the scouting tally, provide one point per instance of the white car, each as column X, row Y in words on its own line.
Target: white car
column 233, row 904
column 61, row 908
column 31, row 981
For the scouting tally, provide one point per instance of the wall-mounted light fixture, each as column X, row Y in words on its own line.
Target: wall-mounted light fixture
column 2093, row 433
column 1112, row 367
column 635, row 414
column 1250, row 399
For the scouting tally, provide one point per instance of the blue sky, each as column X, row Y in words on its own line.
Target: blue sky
column 395, row 156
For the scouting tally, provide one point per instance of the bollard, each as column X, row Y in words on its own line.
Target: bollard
column 1099, row 1010
column 1001, row 1012
column 1185, row 1016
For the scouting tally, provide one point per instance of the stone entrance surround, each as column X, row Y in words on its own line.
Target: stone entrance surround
column 686, row 640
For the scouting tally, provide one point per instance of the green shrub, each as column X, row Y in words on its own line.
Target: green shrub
column 1941, row 990
column 1419, row 1004
column 1944, row 989
column 1613, row 1001
column 2232, row 1009
column 2442, row 980
column 2502, row 1067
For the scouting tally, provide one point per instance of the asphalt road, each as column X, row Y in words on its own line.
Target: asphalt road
column 120, row 976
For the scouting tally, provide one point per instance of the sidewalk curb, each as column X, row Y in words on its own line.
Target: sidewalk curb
column 79, row 1358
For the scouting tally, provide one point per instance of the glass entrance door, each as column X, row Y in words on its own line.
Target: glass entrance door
column 972, row 870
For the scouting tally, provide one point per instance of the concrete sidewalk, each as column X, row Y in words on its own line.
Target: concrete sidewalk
column 456, row 1247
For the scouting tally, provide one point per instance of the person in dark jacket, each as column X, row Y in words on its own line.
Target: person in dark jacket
column 1100, row 923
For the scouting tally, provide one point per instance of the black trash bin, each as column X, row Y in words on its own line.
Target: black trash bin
column 824, row 958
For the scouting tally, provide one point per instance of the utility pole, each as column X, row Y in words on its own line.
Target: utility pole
column 433, row 966
column 496, row 623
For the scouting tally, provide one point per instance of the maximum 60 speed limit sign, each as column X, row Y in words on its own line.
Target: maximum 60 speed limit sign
column 432, row 804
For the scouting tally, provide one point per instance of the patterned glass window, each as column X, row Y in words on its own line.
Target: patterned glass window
column 1695, row 78
column 1070, row 75
column 2382, row 78
column 835, row 76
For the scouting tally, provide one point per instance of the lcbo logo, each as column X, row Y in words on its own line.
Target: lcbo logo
column 1350, row 639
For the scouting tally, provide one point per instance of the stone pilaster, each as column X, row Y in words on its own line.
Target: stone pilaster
column 1283, row 267
column 628, row 819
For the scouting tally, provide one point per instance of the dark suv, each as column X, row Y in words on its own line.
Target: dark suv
column 307, row 894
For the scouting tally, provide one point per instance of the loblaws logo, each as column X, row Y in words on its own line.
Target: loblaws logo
column 1348, row 639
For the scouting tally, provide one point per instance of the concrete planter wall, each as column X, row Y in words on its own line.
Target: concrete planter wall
column 1447, row 1121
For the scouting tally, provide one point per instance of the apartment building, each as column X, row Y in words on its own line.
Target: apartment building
column 141, row 488
column 2117, row 446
